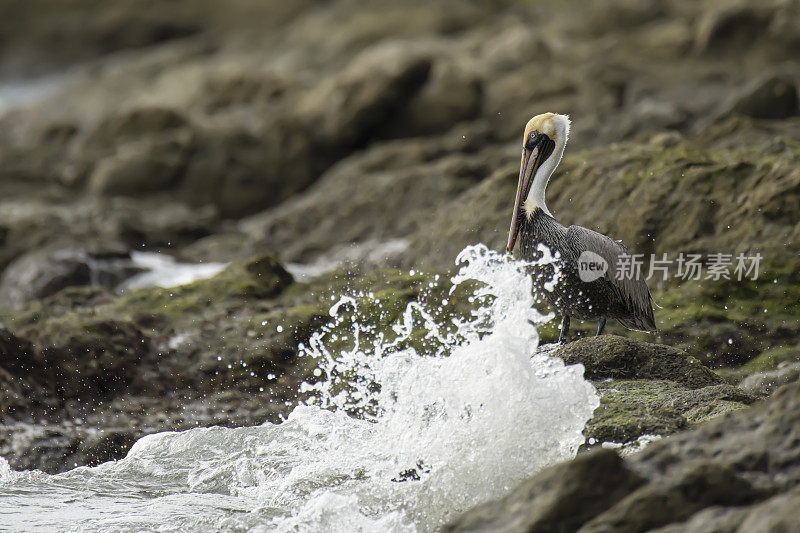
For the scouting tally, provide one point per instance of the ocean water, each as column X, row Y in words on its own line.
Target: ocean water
column 391, row 438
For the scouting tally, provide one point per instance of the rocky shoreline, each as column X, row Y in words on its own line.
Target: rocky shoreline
column 316, row 150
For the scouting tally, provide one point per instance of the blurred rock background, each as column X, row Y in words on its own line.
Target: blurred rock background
column 347, row 142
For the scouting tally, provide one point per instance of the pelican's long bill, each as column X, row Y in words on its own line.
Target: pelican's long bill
column 527, row 170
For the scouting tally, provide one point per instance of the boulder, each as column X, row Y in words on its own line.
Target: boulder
column 345, row 111
column 560, row 498
column 107, row 432
column 697, row 485
column 44, row 272
column 244, row 88
column 107, row 444
column 87, row 358
column 450, row 95
column 778, row 513
column 614, row 357
column 630, row 409
column 142, row 166
column 242, row 171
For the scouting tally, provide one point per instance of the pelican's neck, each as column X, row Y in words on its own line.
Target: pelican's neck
column 536, row 196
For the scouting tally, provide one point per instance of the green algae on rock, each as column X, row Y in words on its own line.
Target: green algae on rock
column 614, row 357
column 630, row 409
column 231, row 340
column 261, row 277
column 766, row 361
column 648, row 389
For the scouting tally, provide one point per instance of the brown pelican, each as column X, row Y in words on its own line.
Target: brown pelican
column 583, row 282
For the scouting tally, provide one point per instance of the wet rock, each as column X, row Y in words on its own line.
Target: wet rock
column 648, row 389
column 610, row 356
column 630, row 409
column 107, row 444
column 88, row 358
column 222, row 350
column 57, row 448
column 42, row 273
column 107, row 431
column 702, row 484
column 19, row 371
column 259, row 277
column 765, row 383
column 28, row 447
column 778, row 513
column 560, row 498
column 737, row 469
column 759, row 444
column 766, row 361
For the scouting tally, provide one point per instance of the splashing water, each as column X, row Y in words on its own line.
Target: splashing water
column 438, row 430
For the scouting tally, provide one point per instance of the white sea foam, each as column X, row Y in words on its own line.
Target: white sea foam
column 161, row 270
column 437, row 432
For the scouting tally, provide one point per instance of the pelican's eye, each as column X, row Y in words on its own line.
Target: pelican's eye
column 531, row 141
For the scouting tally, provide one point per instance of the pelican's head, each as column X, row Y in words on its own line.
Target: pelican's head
column 542, row 146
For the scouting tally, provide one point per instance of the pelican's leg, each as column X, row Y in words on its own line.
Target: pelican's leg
column 601, row 326
column 562, row 337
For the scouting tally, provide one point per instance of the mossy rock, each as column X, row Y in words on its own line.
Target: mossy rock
column 764, row 362
column 86, row 357
column 613, row 357
column 259, row 278
column 632, row 408
column 728, row 322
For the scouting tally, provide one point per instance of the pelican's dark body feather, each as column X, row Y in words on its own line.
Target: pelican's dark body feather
column 627, row 299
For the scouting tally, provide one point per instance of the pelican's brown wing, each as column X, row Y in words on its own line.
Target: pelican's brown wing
column 630, row 290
